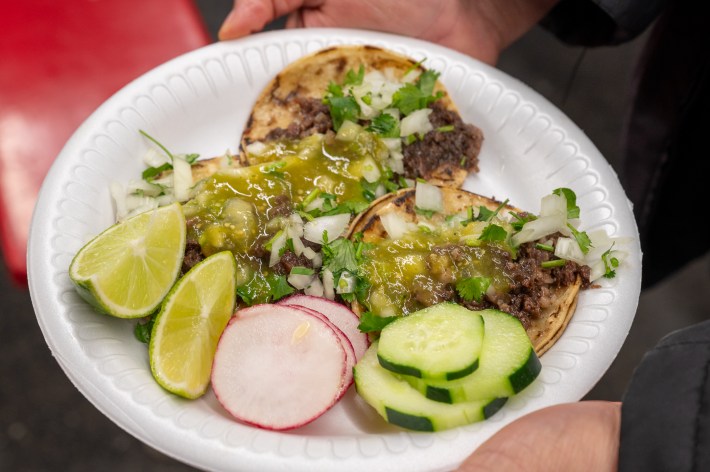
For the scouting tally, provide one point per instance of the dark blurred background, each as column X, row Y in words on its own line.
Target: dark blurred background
column 46, row 424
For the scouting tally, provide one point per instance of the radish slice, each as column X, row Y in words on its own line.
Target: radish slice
column 338, row 314
column 351, row 360
column 277, row 367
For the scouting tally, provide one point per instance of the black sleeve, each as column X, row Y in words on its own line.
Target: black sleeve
column 665, row 415
column 601, row 22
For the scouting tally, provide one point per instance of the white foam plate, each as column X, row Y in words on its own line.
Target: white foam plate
column 199, row 102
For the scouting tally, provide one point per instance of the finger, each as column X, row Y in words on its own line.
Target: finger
column 571, row 437
column 250, row 16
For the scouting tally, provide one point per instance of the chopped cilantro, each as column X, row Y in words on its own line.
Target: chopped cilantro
column 385, row 125
column 342, row 108
column 369, row 189
column 493, row 232
column 191, row 158
column 143, row 330
column 545, row 247
column 339, row 255
column 370, row 322
column 553, row 263
column 521, row 219
column 446, row 129
column 355, row 78
column 423, row 212
column 155, row 141
column 484, row 214
column 299, row 270
column 571, row 197
column 412, row 97
column 582, row 239
column 473, row 288
column 610, row 263
column 278, row 287
column 152, row 172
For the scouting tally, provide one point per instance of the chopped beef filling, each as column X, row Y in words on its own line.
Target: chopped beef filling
column 455, row 149
column 533, row 288
column 314, row 117
column 193, row 255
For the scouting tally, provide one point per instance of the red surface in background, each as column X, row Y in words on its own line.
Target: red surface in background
column 59, row 60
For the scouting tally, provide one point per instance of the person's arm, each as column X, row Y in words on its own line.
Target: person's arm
column 568, row 437
column 479, row 28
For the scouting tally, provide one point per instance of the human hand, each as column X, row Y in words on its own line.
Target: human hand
column 571, row 437
column 479, row 28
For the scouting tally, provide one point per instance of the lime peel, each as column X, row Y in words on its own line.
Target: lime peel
column 189, row 324
column 127, row 270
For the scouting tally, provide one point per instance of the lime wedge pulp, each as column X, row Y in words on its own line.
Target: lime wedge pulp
column 127, row 270
column 190, row 322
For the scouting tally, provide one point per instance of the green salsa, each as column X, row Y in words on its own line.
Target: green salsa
column 242, row 209
column 424, row 266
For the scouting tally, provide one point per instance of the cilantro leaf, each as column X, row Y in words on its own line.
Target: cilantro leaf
column 473, row 288
column 343, row 108
column 143, row 330
column 484, row 214
column 582, row 239
column 610, row 263
column 493, row 232
column 278, row 286
column 370, row 322
column 353, row 78
column 521, row 219
column 384, row 125
column 339, row 255
column 423, row 212
column 151, row 173
column 427, row 81
column 571, row 197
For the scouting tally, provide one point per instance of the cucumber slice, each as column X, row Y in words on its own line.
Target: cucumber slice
column 508, row 364
column 400, row 404
column 441, row 342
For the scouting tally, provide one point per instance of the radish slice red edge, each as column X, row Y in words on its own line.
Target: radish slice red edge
column 277, row 367
column 340, row 315
column 347, row 345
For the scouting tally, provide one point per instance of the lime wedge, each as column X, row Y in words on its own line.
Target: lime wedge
column 127, row 270
column 187, row 329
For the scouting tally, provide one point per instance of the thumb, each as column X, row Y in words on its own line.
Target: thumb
column 250, row 16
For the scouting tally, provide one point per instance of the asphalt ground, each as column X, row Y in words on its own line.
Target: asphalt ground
column 47, row 425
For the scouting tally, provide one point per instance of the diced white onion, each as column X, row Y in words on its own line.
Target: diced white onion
column 393, row 144
column 370, row 171
column 182, row 179
column 146, row 188
column 380, row 191
column 395, row 225
column 416, row 122
column 119, row 198
column 256, row 148
column 315, row 288
column 298, row 246
column 539, row 228
column 317, row 260
column 396, row 165
column 316, row 203
column 335, row 225
column 346, row 283
column 598, row 268
column 309, row 253
column 300, row 281
column 153, row 158
column 428, row 197
column 328, row 284
column 348, row 131
column 568, row 248
column 276, row 245
column 552, row 205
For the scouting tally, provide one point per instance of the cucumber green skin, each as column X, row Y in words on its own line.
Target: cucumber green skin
column 507, row 366
column 430, row 330
column 400, row 404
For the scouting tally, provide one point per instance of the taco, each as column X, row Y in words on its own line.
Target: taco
column 472, row 250
column 338, row 89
